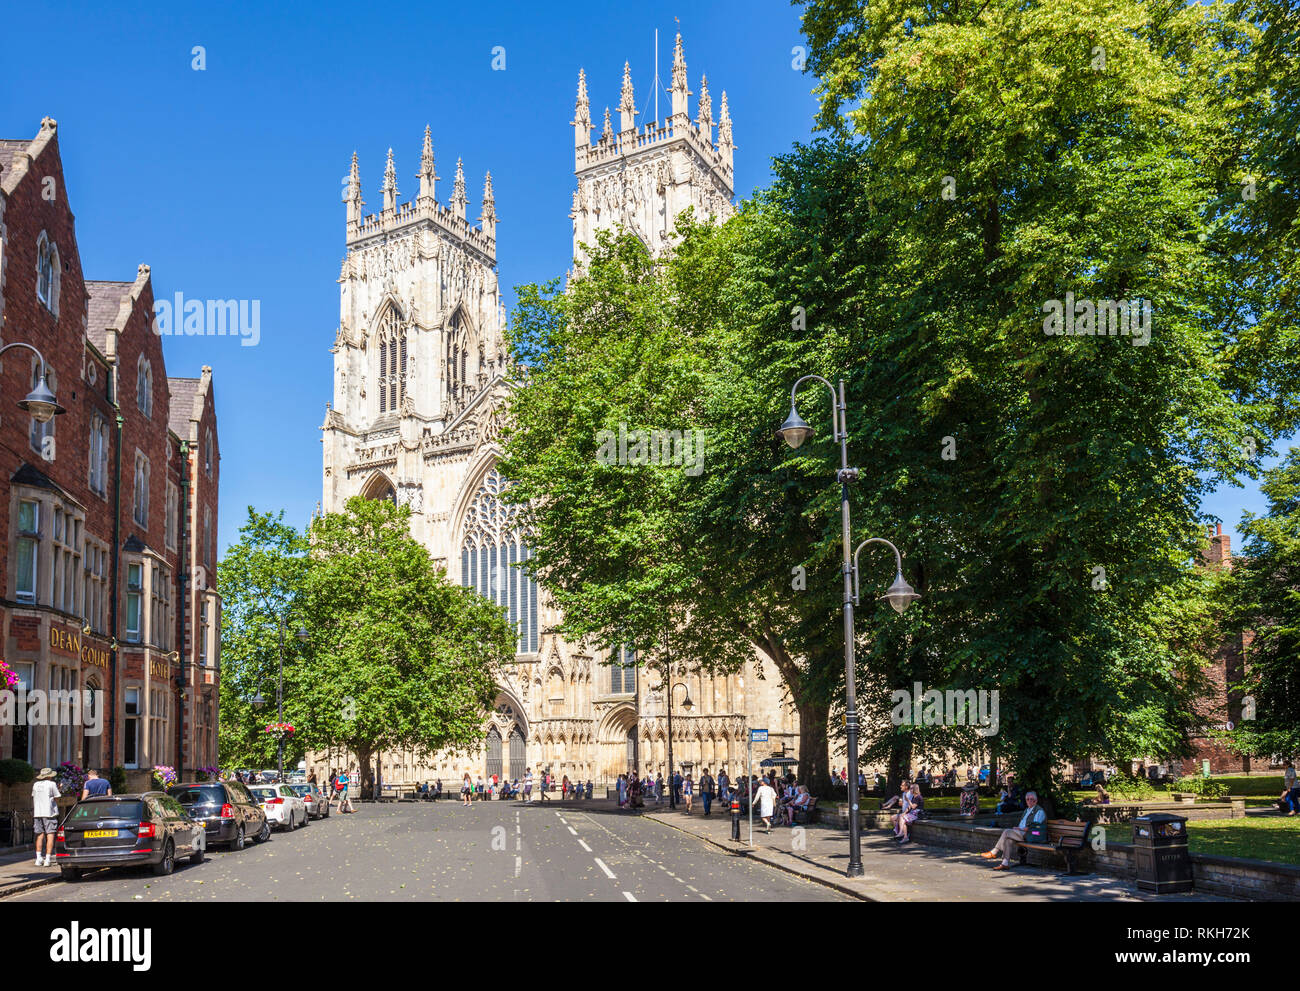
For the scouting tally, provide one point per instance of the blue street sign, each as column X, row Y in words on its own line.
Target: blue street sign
column 758, row 736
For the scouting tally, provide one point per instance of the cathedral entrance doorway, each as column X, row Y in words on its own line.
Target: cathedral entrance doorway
column 493, row 752
column 517, row 754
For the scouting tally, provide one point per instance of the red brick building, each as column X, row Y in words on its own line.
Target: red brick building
column 110, row 510
column 1223, row 704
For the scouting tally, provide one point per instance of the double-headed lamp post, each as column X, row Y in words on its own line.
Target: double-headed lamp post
column 688, row 705
column 794, row 431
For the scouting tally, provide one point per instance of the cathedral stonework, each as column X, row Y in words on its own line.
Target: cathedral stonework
column 419, row 379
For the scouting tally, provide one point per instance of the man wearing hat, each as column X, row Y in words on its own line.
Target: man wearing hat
column 45, row 814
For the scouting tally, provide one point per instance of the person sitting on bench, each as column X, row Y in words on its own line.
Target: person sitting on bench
column 1007, row 842
column 970, row 799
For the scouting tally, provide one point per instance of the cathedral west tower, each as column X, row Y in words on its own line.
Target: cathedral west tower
column 643, row 178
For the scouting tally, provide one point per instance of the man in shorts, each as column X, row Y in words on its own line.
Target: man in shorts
column 45, row 814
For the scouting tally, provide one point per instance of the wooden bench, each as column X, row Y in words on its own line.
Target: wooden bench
column 1064, row 836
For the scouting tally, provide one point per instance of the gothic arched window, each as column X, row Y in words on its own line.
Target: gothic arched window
column 392, row 362
column 492, row 550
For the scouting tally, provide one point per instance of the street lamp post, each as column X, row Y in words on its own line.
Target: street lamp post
column 794, row 431
column 687, row 704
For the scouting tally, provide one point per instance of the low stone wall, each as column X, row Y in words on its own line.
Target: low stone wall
column 1233, row 877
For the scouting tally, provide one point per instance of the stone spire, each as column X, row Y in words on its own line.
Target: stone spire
column 705, row 120
column 390, row 185
column 725, row 145
column 353, row 196
column 582, row 115
column 426, row 173
column 608, row 133
column 680, row 92
column 488, row 219
column 458, row 192
column 627, row 105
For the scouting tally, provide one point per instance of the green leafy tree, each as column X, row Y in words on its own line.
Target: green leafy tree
column 989, row 188
column 261, row 580
column 1265, row 597
column 399, row 657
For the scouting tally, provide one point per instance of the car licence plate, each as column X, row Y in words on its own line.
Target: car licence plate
column 99, row 834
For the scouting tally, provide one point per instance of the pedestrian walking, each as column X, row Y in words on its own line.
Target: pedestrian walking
column 466, row 787
column 724, row 786
column 589, row 789
column 345, row 796
column 564, row 788
column 659, row 788
column 765, row 800
column 528, row 784
column 688, row 788
column 45, row 814
column 706, row 791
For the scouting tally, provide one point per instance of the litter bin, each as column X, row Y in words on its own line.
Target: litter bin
column 1160, row 853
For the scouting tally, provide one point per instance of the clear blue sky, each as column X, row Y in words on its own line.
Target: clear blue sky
column 228, row 181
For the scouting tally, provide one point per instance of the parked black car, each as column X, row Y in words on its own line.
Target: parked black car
column 113, row 831
column 226, row 808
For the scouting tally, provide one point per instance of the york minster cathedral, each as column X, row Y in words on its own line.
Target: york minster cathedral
column 420, row 374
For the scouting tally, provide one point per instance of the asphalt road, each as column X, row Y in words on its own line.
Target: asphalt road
column 491, row 851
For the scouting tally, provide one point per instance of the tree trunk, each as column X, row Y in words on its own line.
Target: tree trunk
column 367, row 775
column 813, row 748
column 900, row 763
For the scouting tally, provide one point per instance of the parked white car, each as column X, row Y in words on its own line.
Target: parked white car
column 282, row 805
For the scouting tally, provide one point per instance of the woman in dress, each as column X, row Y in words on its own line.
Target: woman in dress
column 687, row 789
column 465, row 790
column 911, row 815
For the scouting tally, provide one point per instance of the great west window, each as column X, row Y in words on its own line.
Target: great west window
column 490, row 557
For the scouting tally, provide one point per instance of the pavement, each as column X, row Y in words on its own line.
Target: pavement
column 440, row 851
column 913, row 873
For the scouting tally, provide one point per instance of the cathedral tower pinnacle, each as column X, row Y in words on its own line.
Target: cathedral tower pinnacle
column 627, row 105
column 390, row 185
column 458, row 191
column 353, row 197
column 426, row 174
column 582, row 114
column 680, row 92
column 705, row 120
column 488, row 219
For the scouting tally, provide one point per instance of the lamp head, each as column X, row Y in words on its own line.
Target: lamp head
column 900, row 595
column 795, row 430
column 687, row 704
column 40, row 402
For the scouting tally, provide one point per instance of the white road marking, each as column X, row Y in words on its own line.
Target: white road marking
column 584, row 846
column 519, row 863
column 573, row 831
column 608, row 873
column 628, row 896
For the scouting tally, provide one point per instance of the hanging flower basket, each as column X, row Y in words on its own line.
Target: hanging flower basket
column 279, row 730
column 7, row 678
column 164, row 776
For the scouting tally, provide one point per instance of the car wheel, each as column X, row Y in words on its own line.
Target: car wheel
column 306, row 818
column 168, row 862
column 70, row 873
column 197, row 856
column 265, row 834
column 238, row 842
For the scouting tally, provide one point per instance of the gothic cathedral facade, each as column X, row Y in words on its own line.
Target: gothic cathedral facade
column 420, row 372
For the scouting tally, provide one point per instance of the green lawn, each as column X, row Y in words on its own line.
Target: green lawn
column 1276, row 839
column 1264, row 784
